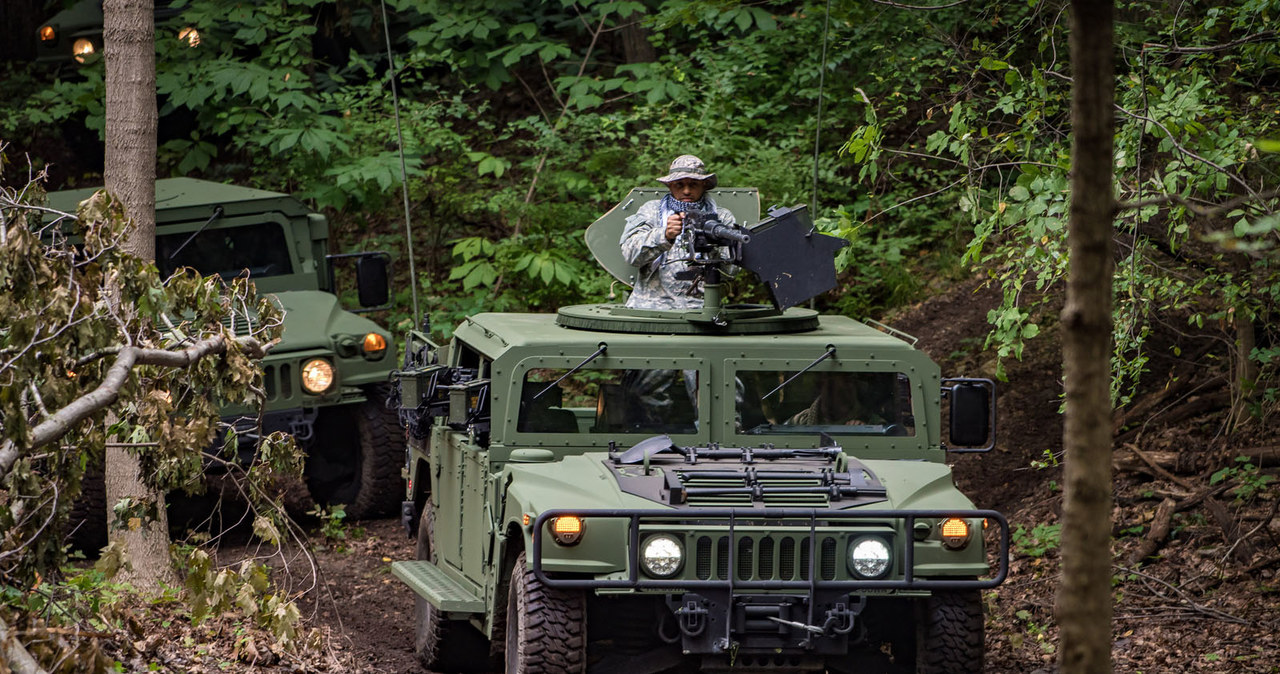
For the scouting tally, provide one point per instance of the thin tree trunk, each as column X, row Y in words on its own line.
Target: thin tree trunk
column 130, row 175
column 1084, row 598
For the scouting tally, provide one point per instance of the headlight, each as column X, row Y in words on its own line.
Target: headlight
column 82, row 48
column 374, row 344
column 567, row 529
column 955, row 533
column 317, row 375
column 661, row 556
column 48, row 34
column 869, row 557
column 190, row 35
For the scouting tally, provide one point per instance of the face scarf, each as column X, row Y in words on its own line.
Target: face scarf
column 671, row 204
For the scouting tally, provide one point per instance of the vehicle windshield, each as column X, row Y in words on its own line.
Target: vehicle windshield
column 227, row 251
column 609, row 401
column 835, row 403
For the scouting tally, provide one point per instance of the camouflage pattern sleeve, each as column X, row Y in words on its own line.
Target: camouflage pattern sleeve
column 644, row 239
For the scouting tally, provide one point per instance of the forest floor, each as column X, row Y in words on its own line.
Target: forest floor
column 1202, row 596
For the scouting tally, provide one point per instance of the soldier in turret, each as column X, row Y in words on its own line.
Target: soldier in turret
column 656, row 241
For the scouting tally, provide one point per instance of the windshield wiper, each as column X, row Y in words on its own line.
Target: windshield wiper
column 217, row 213
column 599, row 352
column 831, row 351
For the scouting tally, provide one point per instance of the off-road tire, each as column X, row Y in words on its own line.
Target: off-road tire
column 546, row 628
column 87, row 521
column 443, row 645
column 358, row 466
column 950, row 633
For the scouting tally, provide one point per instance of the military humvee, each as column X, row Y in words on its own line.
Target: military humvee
column 326, row 382
column 738, row 487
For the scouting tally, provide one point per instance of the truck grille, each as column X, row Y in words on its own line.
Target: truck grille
column 777, row 556
column 277, row 381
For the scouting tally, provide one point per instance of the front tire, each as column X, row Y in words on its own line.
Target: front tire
column 443, row 645
column 950, row 637
column 546, row 628
column 355, row 455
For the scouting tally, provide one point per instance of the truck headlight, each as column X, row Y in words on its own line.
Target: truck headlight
column 317, row 375
column 869, row 557
column 661, row 556
column 82, row 48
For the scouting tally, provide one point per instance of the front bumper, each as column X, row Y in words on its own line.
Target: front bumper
column 775, row 580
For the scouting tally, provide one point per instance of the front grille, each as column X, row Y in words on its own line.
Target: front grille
column 277, row 381
column 763, row 557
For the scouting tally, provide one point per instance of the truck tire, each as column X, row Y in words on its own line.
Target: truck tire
column 950, row 635
column 546, row 628
column 87, row 522
column 355, row 457
column 443, row 645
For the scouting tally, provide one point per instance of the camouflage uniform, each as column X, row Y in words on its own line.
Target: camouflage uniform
column 644, row 245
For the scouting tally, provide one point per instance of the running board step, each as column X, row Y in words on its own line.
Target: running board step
column 437, row 587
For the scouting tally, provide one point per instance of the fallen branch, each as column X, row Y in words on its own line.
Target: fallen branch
column 1157, row 534
column 106, row 393
column 1240, row 548
column 16, row 655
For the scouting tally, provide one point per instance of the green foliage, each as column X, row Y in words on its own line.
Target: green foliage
column 70, row 307
column 1037, row 541
column 1251, row 481
column 943, row 147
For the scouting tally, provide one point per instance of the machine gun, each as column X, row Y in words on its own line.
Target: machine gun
column 708, row 232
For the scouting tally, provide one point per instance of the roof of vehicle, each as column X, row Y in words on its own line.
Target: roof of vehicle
column 190, row 198
column 498, row 333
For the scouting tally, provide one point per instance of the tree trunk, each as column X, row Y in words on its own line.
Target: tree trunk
column 130, row 175
column 1084, row 598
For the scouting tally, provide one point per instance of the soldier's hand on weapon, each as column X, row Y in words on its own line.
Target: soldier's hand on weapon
column 675, row 223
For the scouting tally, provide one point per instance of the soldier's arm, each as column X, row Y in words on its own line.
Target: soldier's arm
column 644, row 238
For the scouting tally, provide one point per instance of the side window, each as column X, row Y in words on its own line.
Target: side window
column 836, row 403
column 609, row 401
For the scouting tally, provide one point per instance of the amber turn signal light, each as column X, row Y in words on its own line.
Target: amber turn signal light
column 374, row 344
column 48, row 34
column 955, row 533
column 566, row 529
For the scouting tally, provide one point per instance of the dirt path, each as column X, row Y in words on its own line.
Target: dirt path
column 366, row 603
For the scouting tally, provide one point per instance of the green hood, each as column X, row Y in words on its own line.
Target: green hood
column 312, row 319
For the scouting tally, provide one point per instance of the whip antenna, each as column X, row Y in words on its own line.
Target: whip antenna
column 817, row 134
column 404, row 172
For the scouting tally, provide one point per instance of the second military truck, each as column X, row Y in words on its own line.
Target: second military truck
column 326, row 381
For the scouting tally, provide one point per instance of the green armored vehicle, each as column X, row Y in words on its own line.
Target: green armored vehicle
column 737, row 487
column 326, row 382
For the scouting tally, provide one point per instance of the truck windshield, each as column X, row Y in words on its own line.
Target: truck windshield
column 836, row 403
column 227, row 251
column 609, row 401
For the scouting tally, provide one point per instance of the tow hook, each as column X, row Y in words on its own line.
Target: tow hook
column 693, row 618
column 840, row 619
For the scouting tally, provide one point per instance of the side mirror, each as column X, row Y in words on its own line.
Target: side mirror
column 372, row 280
column 972, row 412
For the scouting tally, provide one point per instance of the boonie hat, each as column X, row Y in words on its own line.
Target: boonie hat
column 689, row 166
